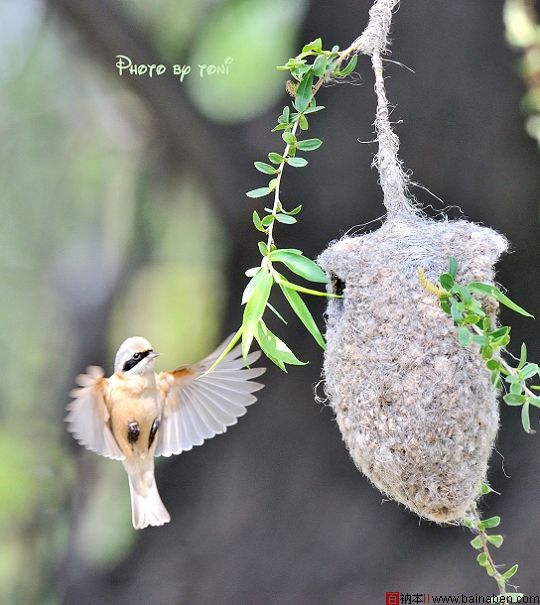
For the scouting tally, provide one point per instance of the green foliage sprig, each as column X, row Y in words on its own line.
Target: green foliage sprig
column 482, row 543
column 309, row 71
column 467, row 306
column 475, row 328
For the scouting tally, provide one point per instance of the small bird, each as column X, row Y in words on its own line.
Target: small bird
column 137, row 414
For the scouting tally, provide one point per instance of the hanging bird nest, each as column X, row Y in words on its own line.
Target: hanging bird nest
column 416, row 409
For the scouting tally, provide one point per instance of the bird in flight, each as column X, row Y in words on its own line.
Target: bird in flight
column 137, row 414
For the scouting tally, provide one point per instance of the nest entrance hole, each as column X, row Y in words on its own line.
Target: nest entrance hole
column 338, row 285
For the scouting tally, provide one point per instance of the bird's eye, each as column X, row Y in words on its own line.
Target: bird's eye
column 136, row 355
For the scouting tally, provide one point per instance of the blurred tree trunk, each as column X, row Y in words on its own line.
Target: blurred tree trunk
column 275, row 512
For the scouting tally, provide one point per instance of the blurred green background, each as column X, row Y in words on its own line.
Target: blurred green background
column 123, row 213
column 91, row 221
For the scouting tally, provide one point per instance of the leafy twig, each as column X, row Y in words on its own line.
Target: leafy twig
column 461, row 302
column 475, row 327
column 483, row 541
column 309, row 71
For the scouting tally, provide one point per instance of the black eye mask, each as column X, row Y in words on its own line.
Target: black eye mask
column 131, row 363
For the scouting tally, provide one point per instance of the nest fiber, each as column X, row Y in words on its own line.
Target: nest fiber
column 416, row 409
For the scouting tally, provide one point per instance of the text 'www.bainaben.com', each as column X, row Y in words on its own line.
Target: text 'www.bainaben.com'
column 403, row 598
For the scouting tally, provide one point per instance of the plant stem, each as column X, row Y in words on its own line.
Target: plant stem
column 277, row 203
column 325, row 78
column 501, row 582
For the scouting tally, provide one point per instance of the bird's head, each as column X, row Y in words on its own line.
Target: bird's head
column 135, row 356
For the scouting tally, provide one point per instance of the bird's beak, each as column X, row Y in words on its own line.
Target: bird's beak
column 153, row 355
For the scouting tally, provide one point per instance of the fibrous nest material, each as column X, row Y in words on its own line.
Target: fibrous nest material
column 416, row 409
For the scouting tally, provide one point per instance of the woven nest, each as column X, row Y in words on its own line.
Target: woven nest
column 416, row 409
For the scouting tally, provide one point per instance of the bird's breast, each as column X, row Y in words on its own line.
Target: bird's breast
column 135, row 412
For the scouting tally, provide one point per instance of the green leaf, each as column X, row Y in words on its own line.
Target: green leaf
column 300, row 308
column 304, row 93
column 486, row 352
column 293, row 211
column 482, row 559
column 471, row 319
column 303, row 122
column 457, row 316
column 274, row 348
column 464, row 293
column 286, row 114
column 267, row 220
column 504, row 331
column 255, row 308
column 297, row 162
column 301, row 265
column 289, row 138
column 510, row 572
column 447, row 281
column 349, row 68
column 309, row 144
column 445, row 305
column 497, row 343
column 523, row 356
column 498, row 295
column 248, row 290
column 495, row 378
column 263, row 248
column 480, row 339
column 281, row 280
column 528, row 371
column 525, row 418
column 272, row 184
column 301, row 71
column 496, row 540
column 512, row 399
column 464, row 336
column 260, row 192
column 490, row 523
column 257, row 221
column 265, row 168
column 316, row 45
column 275, row 158
column 485, row 489
column 285, row 218
column 319, row 65
column 516, row 388
column 289, row 250
column 314, row 109
column 276, row 313
column 477, row 542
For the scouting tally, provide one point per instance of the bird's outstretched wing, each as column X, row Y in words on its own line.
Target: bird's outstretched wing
column 88, row 416
column 197, row 407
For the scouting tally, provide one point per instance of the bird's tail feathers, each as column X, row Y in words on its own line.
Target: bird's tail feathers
column 146, row 505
